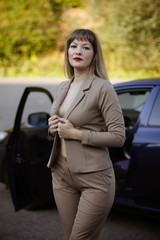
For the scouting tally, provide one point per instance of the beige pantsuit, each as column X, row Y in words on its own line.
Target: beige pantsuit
column 83, row 181
column 83, row 200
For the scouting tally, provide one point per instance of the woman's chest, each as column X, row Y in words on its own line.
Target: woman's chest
column 67, row 101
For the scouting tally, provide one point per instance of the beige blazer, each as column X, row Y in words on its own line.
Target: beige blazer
column 95, row 107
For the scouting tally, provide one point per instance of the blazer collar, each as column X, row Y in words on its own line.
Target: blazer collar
column 81, row 93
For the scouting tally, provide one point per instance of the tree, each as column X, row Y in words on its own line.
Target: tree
column 29, row 28
column 129, row 31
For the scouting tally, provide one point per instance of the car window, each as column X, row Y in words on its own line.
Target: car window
column 154, row 119
column 132, row 103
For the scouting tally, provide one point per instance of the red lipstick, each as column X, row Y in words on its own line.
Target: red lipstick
column 77, row 59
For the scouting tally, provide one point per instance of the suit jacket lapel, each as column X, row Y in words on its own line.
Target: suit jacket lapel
column 81, row 93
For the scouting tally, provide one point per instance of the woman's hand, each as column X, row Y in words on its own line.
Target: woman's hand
column 66, row 130
column 53, row 123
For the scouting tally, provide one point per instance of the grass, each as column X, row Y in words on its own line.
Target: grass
column 57, row 71
column 138, row 74
column 51, row 65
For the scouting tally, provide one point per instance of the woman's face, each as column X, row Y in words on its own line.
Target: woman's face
column 80, row 54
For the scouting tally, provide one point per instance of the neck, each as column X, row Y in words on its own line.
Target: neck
column 80, row 75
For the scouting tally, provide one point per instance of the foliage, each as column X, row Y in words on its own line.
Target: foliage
column 131, row 36
column 26, row 30
column 29, row 28
column 31, row 32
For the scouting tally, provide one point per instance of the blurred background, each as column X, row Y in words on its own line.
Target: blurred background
column 33, row 35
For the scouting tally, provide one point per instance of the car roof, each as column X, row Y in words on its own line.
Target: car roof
column 139, row 82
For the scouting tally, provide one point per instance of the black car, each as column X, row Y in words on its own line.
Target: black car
column 25, row 150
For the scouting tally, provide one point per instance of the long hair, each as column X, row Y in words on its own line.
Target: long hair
column 97, row 66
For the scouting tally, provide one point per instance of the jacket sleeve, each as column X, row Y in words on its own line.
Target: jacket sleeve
column 110, row 109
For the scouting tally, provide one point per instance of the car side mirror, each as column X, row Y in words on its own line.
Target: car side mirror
column 38, row 119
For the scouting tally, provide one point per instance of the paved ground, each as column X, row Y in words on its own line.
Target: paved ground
column 46, row 225
column 27, row 225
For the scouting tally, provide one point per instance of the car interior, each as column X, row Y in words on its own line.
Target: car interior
column 132, row 103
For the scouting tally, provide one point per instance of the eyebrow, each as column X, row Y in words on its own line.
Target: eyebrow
column 86, row 43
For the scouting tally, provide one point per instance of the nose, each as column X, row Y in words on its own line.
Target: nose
column 78, row 50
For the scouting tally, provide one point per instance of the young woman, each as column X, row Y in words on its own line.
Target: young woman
column 82, row 172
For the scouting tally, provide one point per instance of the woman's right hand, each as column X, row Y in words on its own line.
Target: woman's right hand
column 53, row 124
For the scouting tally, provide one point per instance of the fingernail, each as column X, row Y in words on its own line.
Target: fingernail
column 58, row 117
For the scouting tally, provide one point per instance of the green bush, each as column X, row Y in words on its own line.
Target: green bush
column 130, row 35
column 32, row 31
column 29, row 29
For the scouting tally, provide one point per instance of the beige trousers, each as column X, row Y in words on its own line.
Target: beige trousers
column 84, row 200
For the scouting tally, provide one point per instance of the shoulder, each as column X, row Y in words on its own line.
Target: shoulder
column 60, row 87
column 102, row 84
column 64, row 84
column 104, row 90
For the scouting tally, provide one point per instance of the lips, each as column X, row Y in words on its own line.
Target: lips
column 77, row 59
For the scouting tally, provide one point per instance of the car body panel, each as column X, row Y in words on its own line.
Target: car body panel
column 141, row 189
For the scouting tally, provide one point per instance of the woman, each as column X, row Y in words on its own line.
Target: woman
column 82, row 172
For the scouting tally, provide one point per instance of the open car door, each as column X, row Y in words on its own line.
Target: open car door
column 28, row 151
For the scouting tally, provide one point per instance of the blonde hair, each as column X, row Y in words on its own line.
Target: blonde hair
column 97, row 65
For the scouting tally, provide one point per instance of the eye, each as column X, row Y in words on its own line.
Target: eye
column 86, row 48
column 73, row 46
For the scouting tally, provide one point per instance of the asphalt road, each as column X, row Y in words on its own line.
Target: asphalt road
column 45, row 224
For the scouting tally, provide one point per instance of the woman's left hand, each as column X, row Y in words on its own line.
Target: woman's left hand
column 65, row 128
